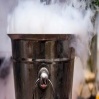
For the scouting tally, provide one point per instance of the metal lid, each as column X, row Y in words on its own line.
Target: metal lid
column 40, row 37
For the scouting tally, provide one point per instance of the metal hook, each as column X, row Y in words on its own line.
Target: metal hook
column 50, row 84
column 52, row 87
column 43, row 80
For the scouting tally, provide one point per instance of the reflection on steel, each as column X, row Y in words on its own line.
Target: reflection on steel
column 43, row 66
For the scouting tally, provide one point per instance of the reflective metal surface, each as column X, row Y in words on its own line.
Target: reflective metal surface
column 31, row 53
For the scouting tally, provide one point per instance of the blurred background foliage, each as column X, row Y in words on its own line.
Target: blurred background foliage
column 95, row 2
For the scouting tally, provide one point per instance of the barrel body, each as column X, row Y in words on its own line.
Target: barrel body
column 33, row 52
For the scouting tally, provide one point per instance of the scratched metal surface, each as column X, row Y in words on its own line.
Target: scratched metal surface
column 25, row 73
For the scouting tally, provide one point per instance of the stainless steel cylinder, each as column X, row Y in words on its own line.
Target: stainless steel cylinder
column 43, row 66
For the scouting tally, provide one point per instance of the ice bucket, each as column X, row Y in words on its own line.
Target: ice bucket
column 43, row 66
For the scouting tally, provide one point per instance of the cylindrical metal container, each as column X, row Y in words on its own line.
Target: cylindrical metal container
column 43, row 66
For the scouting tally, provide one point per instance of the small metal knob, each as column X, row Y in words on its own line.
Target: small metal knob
column 43, row 80
column 43, row 77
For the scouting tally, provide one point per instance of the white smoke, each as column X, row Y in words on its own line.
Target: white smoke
column 34, row 17
column 6, row 7
column 72, row 17
column 97, row 28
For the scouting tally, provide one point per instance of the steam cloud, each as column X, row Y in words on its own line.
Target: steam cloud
column 70, row 17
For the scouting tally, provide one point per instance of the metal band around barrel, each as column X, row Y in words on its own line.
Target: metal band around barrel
column 30, row 60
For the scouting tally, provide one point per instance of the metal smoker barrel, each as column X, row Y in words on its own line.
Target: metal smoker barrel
column 43, row 66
